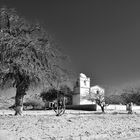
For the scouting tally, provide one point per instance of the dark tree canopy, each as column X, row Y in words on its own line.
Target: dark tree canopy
column 53, row 94
column 49, row 95
column 26, row 51
column 131, row 95
column 114, row 99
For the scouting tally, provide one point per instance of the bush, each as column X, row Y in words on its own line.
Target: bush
column 127, row 96
column 33, row 104
column 67, row 93
column 114, row 99
column 131, row 97
column 51, row 95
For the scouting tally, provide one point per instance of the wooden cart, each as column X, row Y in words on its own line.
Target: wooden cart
column 58, row 104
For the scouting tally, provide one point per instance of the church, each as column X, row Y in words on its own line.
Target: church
column 82, row 89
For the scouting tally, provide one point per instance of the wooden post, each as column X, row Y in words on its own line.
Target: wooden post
column 57, row 114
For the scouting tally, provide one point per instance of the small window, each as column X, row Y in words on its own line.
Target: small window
column 85, row 82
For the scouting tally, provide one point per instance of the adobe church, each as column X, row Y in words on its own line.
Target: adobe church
column 81, row 90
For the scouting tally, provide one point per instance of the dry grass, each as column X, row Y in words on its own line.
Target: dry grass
column 74, row 125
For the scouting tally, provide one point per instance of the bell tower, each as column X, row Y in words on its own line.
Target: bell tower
column 81, row 89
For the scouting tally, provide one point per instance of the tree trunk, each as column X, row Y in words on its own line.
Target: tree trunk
column 22, row 84
column 19, row 102
column 102, row 108
column 57, row 112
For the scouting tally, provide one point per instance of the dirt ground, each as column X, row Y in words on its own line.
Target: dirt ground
column 73, row 125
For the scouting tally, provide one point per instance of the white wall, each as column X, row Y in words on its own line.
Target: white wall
column 84, row 91
column 81, row 90
column 118, row 107
column 84, row 85
column 84, row 82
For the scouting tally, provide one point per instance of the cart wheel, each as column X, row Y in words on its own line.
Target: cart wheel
column 59, row 107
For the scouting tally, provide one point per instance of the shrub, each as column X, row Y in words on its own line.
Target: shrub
column 51, row 94
column 114, row 99
column 33, row 104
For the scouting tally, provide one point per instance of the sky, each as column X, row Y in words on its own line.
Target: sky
column 101, row 37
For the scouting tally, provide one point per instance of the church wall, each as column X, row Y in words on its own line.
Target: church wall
column 81, row 90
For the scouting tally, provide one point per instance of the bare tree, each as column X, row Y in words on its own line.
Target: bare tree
column 100, row 100
column 97, row 95
column 28, row 57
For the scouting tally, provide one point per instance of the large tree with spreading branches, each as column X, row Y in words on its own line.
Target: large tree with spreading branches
column 28, row 57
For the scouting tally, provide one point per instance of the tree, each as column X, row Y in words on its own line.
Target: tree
column 28, row 56
column 67, row 93
column 100, row 100
column 131, row 95
column 114, row 99
column 97, row 95
column 57, row 98
column 49, row 95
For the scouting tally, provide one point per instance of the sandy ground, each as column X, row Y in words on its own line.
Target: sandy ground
column 73, row 125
